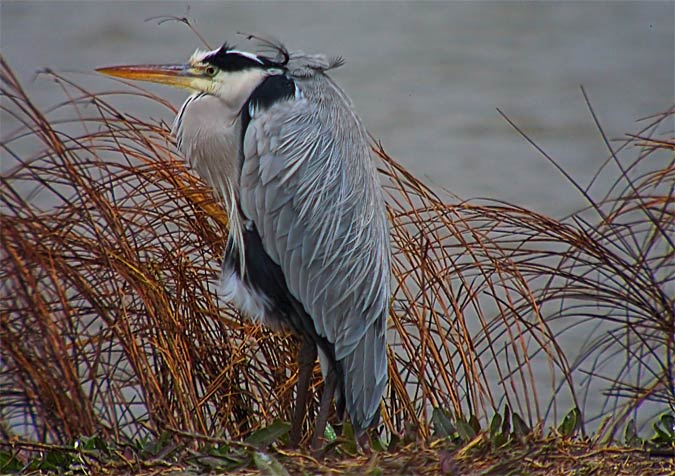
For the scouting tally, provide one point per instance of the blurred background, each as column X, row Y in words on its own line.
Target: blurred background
column 426, row 77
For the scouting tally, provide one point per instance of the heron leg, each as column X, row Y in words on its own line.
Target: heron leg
column 321, row 419
column 306, row 358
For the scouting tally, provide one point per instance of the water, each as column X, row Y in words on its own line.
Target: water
column 426, row 77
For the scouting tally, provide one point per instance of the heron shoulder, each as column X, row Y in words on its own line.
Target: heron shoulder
column 301, row 64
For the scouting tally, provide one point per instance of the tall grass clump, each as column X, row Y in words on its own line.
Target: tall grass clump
column 110, row 325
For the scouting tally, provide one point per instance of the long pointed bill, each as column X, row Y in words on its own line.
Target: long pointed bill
column 177, row 75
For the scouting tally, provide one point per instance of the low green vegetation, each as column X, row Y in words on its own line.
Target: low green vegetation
column 456, row 445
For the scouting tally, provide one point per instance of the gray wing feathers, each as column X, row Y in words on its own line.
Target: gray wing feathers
column 319, row 214
column 368, row 370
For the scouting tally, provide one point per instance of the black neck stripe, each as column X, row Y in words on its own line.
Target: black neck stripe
column 273, row 89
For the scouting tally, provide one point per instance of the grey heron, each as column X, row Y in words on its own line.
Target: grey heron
column 308, row 246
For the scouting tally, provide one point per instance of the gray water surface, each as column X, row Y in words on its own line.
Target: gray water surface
column 427, row 77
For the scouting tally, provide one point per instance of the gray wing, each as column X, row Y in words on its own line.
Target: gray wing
column 320, row 214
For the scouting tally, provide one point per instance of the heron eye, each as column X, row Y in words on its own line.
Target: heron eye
column 211, row 71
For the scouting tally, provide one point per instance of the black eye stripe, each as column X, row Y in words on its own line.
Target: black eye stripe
column 227, row 59
column 231, row 61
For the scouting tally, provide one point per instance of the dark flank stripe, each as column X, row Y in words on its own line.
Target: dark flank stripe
column 266, row 277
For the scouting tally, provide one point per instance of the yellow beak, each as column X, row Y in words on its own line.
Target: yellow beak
column 177, row 75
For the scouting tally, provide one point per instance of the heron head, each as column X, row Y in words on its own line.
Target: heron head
column 227, row 73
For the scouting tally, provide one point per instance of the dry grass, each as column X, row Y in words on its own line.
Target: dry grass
column 109, row 323
column 535, row 456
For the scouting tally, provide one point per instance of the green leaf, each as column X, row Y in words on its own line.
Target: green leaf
column 520, row 428
column 163, row 440
column 497, row 438
column 630, row 435
column 506, row 421
column 475, row 424
column 93, row 443
column 9, row 463
column 153, row 446
column 349, row 445
column 56, row 459
column 668, row 425
column 140, row 443
column 348, row 431
column 665, row 431
column 500, row 440
column 268, row 435
column 226, row 462
column 466, row 431
column 394, row 441
column 377, row 444
column 495, row 425
column 376, row 471
column 442, row 423
column 268, row 464
column 329, row 433
column 571, row 423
